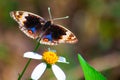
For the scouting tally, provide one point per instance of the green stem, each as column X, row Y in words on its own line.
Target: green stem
column 35, row 49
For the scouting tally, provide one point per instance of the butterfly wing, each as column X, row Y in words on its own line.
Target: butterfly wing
column 31, row 24
column 36, row 27
column 58, row 34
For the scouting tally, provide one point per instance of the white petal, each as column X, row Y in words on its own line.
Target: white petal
column 38, row 71
column 32, row 55
column 62, row 59
column 58, row 72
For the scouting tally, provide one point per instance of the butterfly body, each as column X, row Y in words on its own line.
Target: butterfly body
column 45, row 31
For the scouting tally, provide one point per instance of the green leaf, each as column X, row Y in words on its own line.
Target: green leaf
column 89, row 72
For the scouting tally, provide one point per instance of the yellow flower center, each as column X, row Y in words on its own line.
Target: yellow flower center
column 50, row 57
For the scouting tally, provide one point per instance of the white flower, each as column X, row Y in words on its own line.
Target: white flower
column 49, row 57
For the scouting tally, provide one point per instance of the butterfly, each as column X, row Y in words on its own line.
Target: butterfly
column 46, row 32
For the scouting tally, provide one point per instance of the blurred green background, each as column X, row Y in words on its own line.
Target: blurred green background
column 96, row 23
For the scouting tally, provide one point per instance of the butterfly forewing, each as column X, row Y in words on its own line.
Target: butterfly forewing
column 31, row 24
column 58, row 34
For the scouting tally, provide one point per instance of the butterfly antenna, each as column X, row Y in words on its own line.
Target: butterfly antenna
column 49, row 11
column 61, row 18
